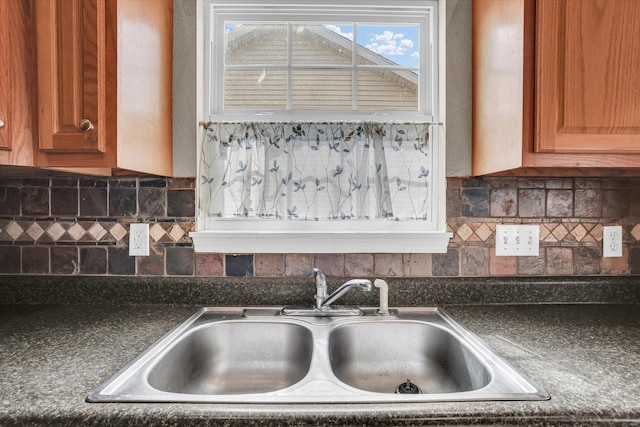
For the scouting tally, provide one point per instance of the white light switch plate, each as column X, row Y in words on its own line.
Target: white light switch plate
column 612, row 241
column 517, row 240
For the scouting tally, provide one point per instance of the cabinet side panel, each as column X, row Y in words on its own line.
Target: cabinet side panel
column 498, row 86
column 145, row 86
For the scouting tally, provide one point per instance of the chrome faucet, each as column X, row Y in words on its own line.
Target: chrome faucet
column 323, row 302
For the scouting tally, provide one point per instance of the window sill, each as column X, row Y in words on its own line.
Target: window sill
column 235, row 238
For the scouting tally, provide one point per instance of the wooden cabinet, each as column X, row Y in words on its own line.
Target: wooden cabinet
column 556, row 87
column 104, row 85
column 16, row 91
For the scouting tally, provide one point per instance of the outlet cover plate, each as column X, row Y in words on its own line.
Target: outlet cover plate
column 612, row 241
column 139, row 240
column 517, row 240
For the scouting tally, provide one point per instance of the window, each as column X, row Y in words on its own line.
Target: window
column 296, row 59
column 322, row 124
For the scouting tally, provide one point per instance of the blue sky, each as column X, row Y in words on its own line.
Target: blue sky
column 396, row 43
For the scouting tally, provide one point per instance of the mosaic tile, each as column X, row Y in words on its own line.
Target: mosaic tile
column 504, row 202
column 559, row 261
column 64, row 260
column 530, row 183
column 35, row 231
column 152, row 265
column 119, row 262
column 331, row 264
column 93, row 202
column 55, row 230
column 559, row 183
column 616, row 266
column 579, row 232
column 417, row 265
column 475, row 202
column 588, row 203
column 14, row 230
column 475, row 261
column 502, row 265
column 92, row 182
column 118, row 232
column 176, row 232
column 446, row 264
column 179, row 261
column 358, row 265
column 559, row 203
column 634, row 261
column 464, row 232
column 156, row 232
column 388, row 265
column 93, row 260
column 122, row 202
column 586, row 260
column 616, row 204
column 97, row 231
column 35, row 260
column 298, row 264
column 454, row 203
column 64, row 201
column 9, row 201
column 560, row 232
column 153, row 182
column 181, row 203
column 10, row 260
column 484, row 232
column 532, row 265
column 212, row 265
column 76, row 231
column 152, row 202
column 35, row 201
column 531, row 203
column 239, row 265
column 635, row 232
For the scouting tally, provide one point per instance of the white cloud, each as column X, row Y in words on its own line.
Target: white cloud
column 389, row 43
column 338, row 30
column 415, row 55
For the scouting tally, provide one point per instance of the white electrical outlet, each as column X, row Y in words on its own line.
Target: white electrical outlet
column 517, row 240
column 139, row 240
column 612, row 241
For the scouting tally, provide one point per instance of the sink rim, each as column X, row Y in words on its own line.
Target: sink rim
column 320, row 384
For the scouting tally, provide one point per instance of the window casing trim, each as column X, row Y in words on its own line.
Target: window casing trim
column 235, row 236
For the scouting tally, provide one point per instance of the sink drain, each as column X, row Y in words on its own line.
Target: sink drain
column 408, row 388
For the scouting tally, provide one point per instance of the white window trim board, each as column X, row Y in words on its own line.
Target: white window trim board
column 227, row 237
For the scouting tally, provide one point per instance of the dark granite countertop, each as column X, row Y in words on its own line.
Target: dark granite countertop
column 587, row 356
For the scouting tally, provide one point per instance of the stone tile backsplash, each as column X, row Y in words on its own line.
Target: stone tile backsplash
column 80, row 226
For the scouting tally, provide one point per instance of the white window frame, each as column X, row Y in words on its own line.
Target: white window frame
column 226, row 235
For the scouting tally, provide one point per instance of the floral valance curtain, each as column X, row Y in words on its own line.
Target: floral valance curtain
column 316, row 171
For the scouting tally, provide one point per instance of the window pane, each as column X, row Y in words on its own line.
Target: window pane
column 387, row 90
column 321, row 89
column 261, row 44
column 326, row 44
column 255, row 89
column 389, row 45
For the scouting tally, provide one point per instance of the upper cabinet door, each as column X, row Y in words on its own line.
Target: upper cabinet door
column 588, row 76
column 71, row 75
column 16, row 75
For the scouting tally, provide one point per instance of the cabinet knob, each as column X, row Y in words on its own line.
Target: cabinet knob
column 86, row 125
column 2, row 122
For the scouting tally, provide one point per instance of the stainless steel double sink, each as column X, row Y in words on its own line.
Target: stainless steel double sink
column 258, row 355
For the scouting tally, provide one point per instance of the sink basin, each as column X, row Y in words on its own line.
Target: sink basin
column 234, row 358
column 258, row 355
column 379, row 356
